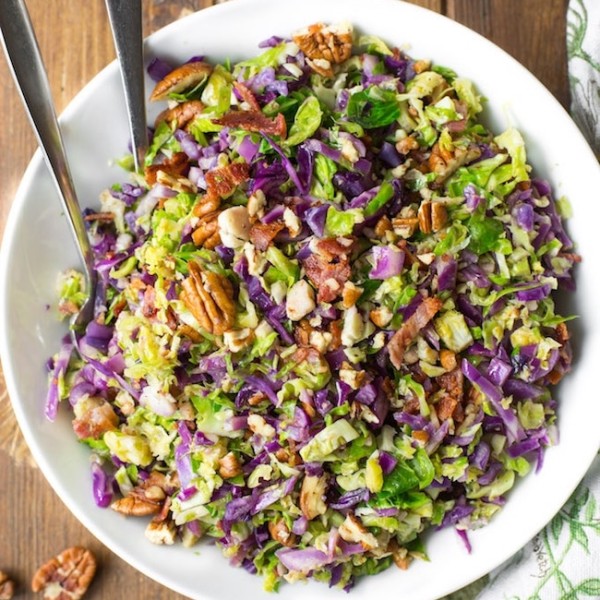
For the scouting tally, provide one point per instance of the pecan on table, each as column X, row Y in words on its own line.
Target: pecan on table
column 209, row 297
column 66, row 576
column 7, row 586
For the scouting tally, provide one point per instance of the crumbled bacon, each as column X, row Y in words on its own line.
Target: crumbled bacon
column 176, row 166
column 254, row 120
column 247, row 95
column 410, row 328
column 328, row 277
column 222, row 181
column 262, row 234
column 328, row 268
column 452, row 383
column 335, row 329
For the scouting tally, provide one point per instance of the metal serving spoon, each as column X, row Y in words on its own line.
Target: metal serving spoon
column 126, row 23
column 25, row 61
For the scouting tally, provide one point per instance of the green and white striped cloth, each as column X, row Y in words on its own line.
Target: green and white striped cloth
column 562, row 562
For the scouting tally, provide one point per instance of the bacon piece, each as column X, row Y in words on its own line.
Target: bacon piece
column 331, row 248
column 222, row 181
column 254, row 120
column 452, row 382
column 329, row 268
column 262, row 234
column 176, row 166
column 410, row 328
column 328, row 277
column 247, row 95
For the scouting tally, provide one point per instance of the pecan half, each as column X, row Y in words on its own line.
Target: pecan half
column 7, row 586
column 207, row 232
column 182, row 78
column 180, row 114
column 280, row 533
column 432, row 216
column 176, row 166
column 311, row 496
column 353, row 531
column 67, row 576
column 209, row 298
column 229, row 466
column 136, row 506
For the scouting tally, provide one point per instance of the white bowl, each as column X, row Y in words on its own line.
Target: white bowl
column 37, row 245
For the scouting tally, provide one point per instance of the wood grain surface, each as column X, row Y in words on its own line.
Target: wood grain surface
column 75, row 41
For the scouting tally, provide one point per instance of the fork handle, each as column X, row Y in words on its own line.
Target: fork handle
column 25, row 62
column 126, row 23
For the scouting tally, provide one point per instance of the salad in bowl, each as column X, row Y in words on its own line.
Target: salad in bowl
column 326, row 320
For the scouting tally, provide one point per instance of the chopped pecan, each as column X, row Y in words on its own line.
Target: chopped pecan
column 262, row 234
column 411, row 327
column 421, row 65
column 407, row 144
column 207, row 232
column 444, row 162
column 209, row 298
column 420, row 435
column 161, row 532
column 383, row 226
column 176, row 166
column 66, row 576
column 190, row 332
column 405, row 226
column 353, row 531
column 181, row 114
column 350, row 294
column 182, row 78
column 302, row 332
column 280, row 533
column 7, row 586
column 447, row 359
column 325, row 45
column 254, row 120
column 229, row 466
column 562, row 333
column 312, row 496
column 400, row 555
column 222, row 181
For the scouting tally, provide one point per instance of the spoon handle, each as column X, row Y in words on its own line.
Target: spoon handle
column 25, row 61
column 126, row 23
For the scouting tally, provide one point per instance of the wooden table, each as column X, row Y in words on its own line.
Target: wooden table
column 76, row 43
